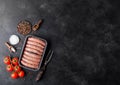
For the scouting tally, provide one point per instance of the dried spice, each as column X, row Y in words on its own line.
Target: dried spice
column 24, row 27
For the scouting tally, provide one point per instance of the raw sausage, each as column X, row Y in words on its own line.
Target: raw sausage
column 33, row 50
column 37, row 40
column 34, row 47
column 35, row 44
column 30, row 62
column 28, row 65
column 31, row 59
column 32, row 55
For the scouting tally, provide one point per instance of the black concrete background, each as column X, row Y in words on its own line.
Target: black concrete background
column 84, row 34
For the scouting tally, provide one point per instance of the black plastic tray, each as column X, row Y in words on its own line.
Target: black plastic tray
column 22, row 51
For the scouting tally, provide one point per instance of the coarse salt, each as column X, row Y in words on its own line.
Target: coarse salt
column 14, row 39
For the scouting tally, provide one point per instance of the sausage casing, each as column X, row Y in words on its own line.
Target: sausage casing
column 37, row 40
column 31, row 58
column 35, row 44
column 29, row 61
column 28, row 65
column 33, row 50
column 32, row 55
column 34, row 47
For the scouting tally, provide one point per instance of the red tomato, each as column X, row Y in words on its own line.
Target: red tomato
column 17, row 68
column 15, row 61
column 7, row 60
column 21, row 74
column 14, row 75
column 9, row 68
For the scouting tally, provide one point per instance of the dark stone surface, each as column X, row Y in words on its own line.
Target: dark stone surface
column 84, row 34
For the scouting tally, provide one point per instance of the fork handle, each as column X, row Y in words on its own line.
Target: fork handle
column 40, row 73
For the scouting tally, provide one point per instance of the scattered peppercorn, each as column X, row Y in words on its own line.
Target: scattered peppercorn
column 24, row 27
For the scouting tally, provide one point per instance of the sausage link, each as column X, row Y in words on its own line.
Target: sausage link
column 34, row 47
column 35, row 44
column 32, row 50
column 31, row 58
column 32, row 55
column 37, row 40
column 30, row 62
column 28, row 65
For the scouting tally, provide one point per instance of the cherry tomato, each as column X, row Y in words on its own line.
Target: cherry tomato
column 21, row 74
column 7, row 60
column 14, row 75
column 15, row 61
column 9, row 68
column 17, row 68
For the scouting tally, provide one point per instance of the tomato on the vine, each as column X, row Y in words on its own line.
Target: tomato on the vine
column 17, row 68
column 9, row 68
column 21, row 74
column 7, row 60
column 15, row 61
column 13, row 66
column 14, row 75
